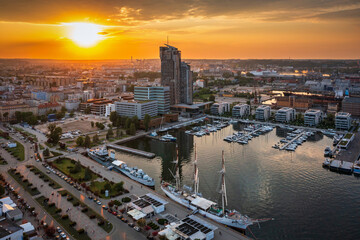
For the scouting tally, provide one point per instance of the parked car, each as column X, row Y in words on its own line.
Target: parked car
column 105, row 207
column 58, row 230
column 131, row 224
column 137, row 228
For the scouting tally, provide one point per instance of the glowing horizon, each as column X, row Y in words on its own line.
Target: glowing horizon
column 201, row 30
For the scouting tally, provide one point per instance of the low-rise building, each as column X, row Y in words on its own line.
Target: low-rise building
column 191, row 227
column 45, row 107
column 136, row 108
column 10, row 230
column 343, row 120
column 9, row 108
column 72, row 105
column 220, row 108
column 351, row 105
column 313, row 117
column 262, row 113
column 241, row 110
column 285, row 114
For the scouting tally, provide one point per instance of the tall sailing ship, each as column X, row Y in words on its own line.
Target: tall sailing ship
column 205, row 207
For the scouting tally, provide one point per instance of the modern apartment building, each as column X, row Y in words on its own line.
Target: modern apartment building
column 351, row 105
column 241, row 110
column 262, row 113
column 285, row 114
column 220, row 108
column 176, row 75
column 159, row 94
column 136, row 108
column 313, row 117
column 343, row 120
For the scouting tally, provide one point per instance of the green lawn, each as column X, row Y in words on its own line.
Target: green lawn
column 107, row 226
column 97, row 186
column 50, row 181
column 66, row 164
column 65, row 223
column 18, row 152
column 33, row 191
column 41, row 147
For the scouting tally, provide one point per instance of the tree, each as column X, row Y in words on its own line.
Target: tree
column 118, row 132
column 80, row 141
column 96, row 139
column 113, row 117
column 87, row 142
column 147, row 119
column 141, row 222
column 127, row 123
column 76, row 168
column 2, row 190
column 110, row 132
column 212, row 98
column 107, row 186
column 46, row 152
column 63, row 109
column 135, row 120
column 5, row 115
column 92, row 124
column 54, row 133
column 119, row 187
column 87, row 174
column 72, row 114
column 50, row 231
column 132, row 130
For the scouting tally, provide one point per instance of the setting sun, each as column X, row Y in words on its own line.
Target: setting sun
column 85, row 34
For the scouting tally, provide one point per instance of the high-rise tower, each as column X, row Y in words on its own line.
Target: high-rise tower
column 176, row 74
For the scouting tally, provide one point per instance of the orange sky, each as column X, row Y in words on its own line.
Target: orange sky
column 199, row 28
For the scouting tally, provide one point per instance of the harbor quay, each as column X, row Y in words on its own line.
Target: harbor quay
column 172, row 208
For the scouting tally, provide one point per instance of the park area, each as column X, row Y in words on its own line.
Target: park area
column 18, row 152
column 74, row 169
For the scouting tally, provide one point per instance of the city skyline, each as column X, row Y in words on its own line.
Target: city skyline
column 202, row 30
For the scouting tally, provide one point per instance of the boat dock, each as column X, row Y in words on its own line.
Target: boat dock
column 341, row 166
column 132, row 150
column 352, row 153
column 292, row 140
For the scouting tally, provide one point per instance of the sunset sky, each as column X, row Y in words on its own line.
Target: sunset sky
column 110, row 29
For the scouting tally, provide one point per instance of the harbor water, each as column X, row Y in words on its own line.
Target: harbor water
column 306, row 200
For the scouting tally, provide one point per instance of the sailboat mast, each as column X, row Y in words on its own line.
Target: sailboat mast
column 177, row 177
column 223, row 186
column 196, row 174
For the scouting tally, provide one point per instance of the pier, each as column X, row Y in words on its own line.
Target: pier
column 132, row 150
column 352, row 153
column 295, row 138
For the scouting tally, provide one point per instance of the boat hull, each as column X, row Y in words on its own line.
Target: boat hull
column 142, row 181
column 226, row 221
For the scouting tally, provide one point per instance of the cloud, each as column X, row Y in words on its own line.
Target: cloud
column 130, row 12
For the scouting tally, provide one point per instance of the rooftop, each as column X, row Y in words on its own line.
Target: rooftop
column 8, row 227
column 351, row 99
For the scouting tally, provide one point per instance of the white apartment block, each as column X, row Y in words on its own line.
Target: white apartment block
column 134, row 108
column 262, row 113
column 313, row 117
column 285, row 114
column 241, row 110
column 220, row 108
column 343, row 120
